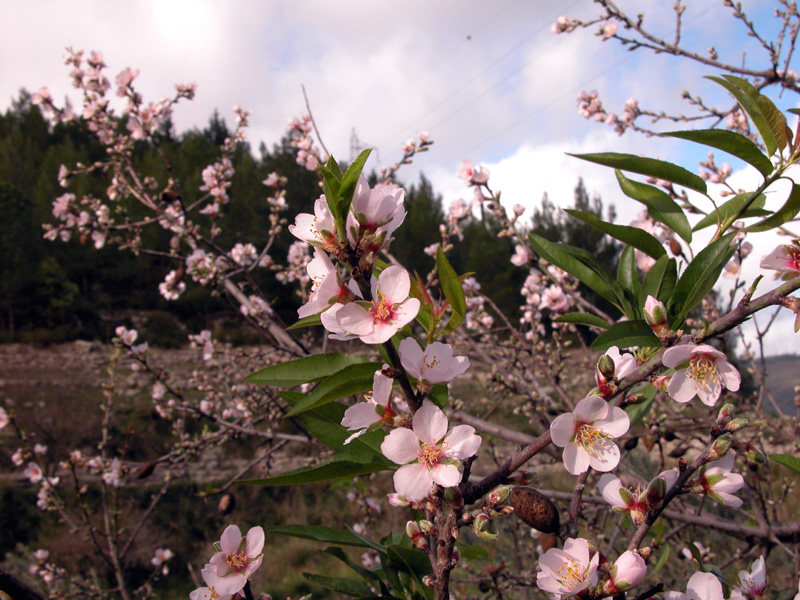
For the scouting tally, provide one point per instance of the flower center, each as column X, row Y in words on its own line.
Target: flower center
column 430, row 455
column 570, row 574
column 703, row 371
column 429, row 363
column 382, row 310
column 591, row 438
column 212, row 593
column 236, row 560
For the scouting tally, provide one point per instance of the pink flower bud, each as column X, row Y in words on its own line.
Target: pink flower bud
column 656, row 490
column 720, row 447
column 655, row 313
column 725, row 414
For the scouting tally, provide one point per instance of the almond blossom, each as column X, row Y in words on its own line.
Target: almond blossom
column 377, row 409
column 211, row 579
column 718, row 482
column 569, row 571
column 434, row 364
column 318, row 229
column 628, row 570
column 377, row 211
column 428, row 453
column 390, row 309
column 632, row 501
column 586, row 435
column 753, row 583
column 784, row 259
column 325, row 285
column 699, row 371
column 701, row 586
column 237, row 559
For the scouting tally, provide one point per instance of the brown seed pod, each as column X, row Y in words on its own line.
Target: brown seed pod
column 226, row 504
column 535, row 509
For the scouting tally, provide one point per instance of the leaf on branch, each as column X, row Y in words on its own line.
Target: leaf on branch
column 626, row 334
column 784, row 214
column 651, row 167
column 790, row 462
column 327, row 535
column 336, row 467
column 352, row 379
column 343, row 585
column 660, row 279
column 659, row 205
column 633, row 236
column 584, row 319
column 731, row 142
column 350, row 180
column 729, row 212
column 304, row 370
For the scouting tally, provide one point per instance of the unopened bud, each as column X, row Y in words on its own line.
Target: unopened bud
column 752, row 455
column 417, row 537
column 398, row 500
column 720, row 447
column 454, row 497
column 606, row 368
column 736, row 424
column 725, row 414
column 499, row 494
column 523, row 477
column 226, row 504
column 426, row 527
column 655, row 313
column 661, row 382
column 456, row 556
column 428, row 580
column 484, row 528
column 656, row 490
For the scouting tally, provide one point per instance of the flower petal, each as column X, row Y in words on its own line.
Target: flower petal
column 446, row 475
column 430, row 423
column 413, row 482
column 400, row 446
column 462, row 442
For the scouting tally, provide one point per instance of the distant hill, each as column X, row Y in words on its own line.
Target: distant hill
column 783, row 374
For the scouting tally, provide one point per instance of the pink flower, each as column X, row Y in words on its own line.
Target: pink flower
column 4, row 418
column 428, row 455
column 624, row 364
column 754, row 583
column 554, row 298
column 377, row 211
column 701, row 586
column 628, row 570
column 237, row 559
column 699, row 371
column 784, row 259
column 211, row 592
column 318, row 229
column 718, row 482
column 390, row 309
column 377, row 409
column 33, row 472
column 633, row 502
column 586, row 435
column 471, row 174
column 325, row 286
column 435, row 364
column 567, row 572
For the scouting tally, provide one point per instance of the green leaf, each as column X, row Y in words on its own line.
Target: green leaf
column 325, row 424
column 352, row 379
column 650, row 167
column 341, row 555
column 438, row 395
column 331, row 182
column 450, row 283
column 626, row 334
column 633, row 236
column 731, row 142
column 473, row 552
column 584, row 319
column 698, row 278
column 309, row 321
column 659, row 282
column 350, row 587
column 412, row 561
column 350, row 180
column 661, row 207
column 775, row 120
column 790, row 462
column 628, row 279
column 636, row 412
column 556, row 254
column 304, row 370
column 327, row 535
column 662, row 560
column 746, row 97
column 336, row 467
column 728, row 212
column 785, row 213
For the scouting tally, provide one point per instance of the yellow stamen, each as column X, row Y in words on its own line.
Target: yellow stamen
column 570, row 574
column 703, row 370
column 236, row 560
column 591, row 438
column 429, row 455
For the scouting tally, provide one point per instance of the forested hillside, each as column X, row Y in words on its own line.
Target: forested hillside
column 57, row 291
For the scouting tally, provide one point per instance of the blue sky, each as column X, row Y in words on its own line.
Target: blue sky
column 487, row 80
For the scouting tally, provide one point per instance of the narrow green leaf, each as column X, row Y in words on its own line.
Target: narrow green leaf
column 325, row 424
column 731, row 142
column 628, row 279
column 659, row 282
column 331, row 182
column 633, row 236
column 327, row 535
column 341, row 555
column 350, row 380
column 584, row 319
column 730, row 210
column 790, row 462
column 784, row 214
column 304, row 370
column 336, row 467
column 556, row 254
column 450, row 283
column 650, row 167
column 590, row 260
column 350, row 587
column 636, row 412
column 662, row 560
column 412, row 561
column 438, row 395
column 627, row 334
column 661, row 207
column 775, row 120
column 350, row 180
column 309, row 321
column 750, row 106
column 698, row 278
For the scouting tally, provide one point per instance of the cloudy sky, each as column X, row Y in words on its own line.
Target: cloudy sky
column 488, row 80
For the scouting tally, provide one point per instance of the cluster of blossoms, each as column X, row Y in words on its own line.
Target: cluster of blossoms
column 591, row 107
column 232, row 566
column 477, row 318
column 308, row 155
